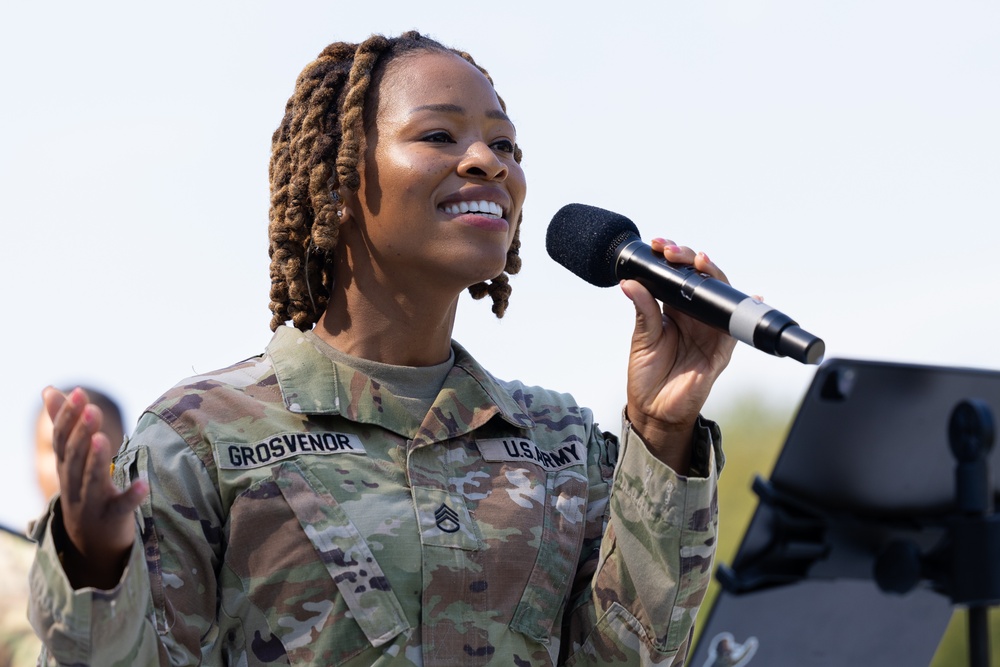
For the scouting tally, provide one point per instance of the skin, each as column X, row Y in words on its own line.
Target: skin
column 45, row 457
column 46, row 470
column 673, row 363
column 402, row 262
column 401, row 265
column 97, row 517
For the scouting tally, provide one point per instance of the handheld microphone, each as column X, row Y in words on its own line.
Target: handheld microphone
column 604, row 248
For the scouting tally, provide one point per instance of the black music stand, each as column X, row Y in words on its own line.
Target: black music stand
column 877, row 518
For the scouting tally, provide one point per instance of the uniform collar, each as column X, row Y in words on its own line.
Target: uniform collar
column 312, row 383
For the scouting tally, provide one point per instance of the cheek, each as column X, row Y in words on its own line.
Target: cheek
column 410, row 166
column 47, row 472
column 411, row 184
column 46, row 458
column 518, row 189
column 517, row 184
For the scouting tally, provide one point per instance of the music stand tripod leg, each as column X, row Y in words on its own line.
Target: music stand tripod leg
column 977, row 531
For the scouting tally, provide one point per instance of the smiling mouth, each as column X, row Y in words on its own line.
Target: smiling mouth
column 487, row 208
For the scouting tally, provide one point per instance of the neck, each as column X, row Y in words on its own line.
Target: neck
column 395, row 329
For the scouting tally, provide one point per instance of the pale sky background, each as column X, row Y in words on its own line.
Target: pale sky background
column 839, row 157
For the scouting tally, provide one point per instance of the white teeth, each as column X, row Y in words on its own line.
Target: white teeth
column 485, row 207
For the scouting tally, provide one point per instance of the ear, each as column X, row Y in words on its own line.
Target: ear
column 344, row 213
column 348, row 204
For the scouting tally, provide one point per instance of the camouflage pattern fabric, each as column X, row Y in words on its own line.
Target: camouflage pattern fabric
column 19, row 646
column 299, row 515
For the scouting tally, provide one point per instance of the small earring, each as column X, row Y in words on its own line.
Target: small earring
column 339, row 204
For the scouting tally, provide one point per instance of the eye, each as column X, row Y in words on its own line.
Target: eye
column 439, row 137
column 503, row 145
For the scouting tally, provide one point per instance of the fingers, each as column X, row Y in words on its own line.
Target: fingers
column 653, row 321
column 705, row 265
column 62, row 418
column 75, row 424
column 78, row 453
column 684, row 255
column 53, row 399
column 92, row 473
column 648, row 316
column 129, row 499
column 98, row 487
column 96, row 514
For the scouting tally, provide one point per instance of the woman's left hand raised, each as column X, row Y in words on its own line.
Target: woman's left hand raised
column 673, row 364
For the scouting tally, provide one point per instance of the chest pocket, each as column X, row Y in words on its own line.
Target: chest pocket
column 562, row 530
column 287, row 569
column 549, row 484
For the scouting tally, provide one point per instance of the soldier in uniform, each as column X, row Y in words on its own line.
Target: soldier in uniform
column 18, row 645
column 364, row 492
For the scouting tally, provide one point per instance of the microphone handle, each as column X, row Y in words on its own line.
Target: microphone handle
column 716, row 304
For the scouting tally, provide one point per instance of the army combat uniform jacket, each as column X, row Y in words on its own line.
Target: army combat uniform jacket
column 18, row 644
column 299, row 515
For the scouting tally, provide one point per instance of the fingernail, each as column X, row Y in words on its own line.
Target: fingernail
column 77, row 398
column 621, row 284
column 673, row 248
column 660, row 240
column 705, row 256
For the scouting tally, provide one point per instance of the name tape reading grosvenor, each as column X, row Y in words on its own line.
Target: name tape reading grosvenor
column 517, row 450
column 241, row 456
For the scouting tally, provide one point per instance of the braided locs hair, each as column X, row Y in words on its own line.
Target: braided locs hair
column 314, row 152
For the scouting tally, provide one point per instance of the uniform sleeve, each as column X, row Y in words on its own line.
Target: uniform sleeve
column 18, row 644
column 85, row 626
column 166, row 600
column 641, row 587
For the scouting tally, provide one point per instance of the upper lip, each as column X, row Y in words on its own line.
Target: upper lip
column 480, row 193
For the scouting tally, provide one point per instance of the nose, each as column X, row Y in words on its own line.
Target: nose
column 480, row 161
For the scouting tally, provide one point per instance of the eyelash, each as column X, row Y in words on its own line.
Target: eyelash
column 508, row 145
column 502, row 145
column 437, row 137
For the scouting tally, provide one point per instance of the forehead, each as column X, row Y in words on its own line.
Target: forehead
column 427, row 78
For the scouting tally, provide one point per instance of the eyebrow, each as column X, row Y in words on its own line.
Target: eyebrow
column 455, row 108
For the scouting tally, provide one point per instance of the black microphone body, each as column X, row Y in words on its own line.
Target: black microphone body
column 603, row 248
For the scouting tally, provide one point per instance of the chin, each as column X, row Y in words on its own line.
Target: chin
column 475, row 265
column 488, row 273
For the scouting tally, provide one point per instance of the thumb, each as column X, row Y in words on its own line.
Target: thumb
column 126, row 502
column 648, row 316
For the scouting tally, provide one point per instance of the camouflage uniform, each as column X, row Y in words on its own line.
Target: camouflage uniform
column 300, row 515
column 18, row 644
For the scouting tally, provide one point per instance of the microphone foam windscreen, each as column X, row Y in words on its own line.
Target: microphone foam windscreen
column 584, row 238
